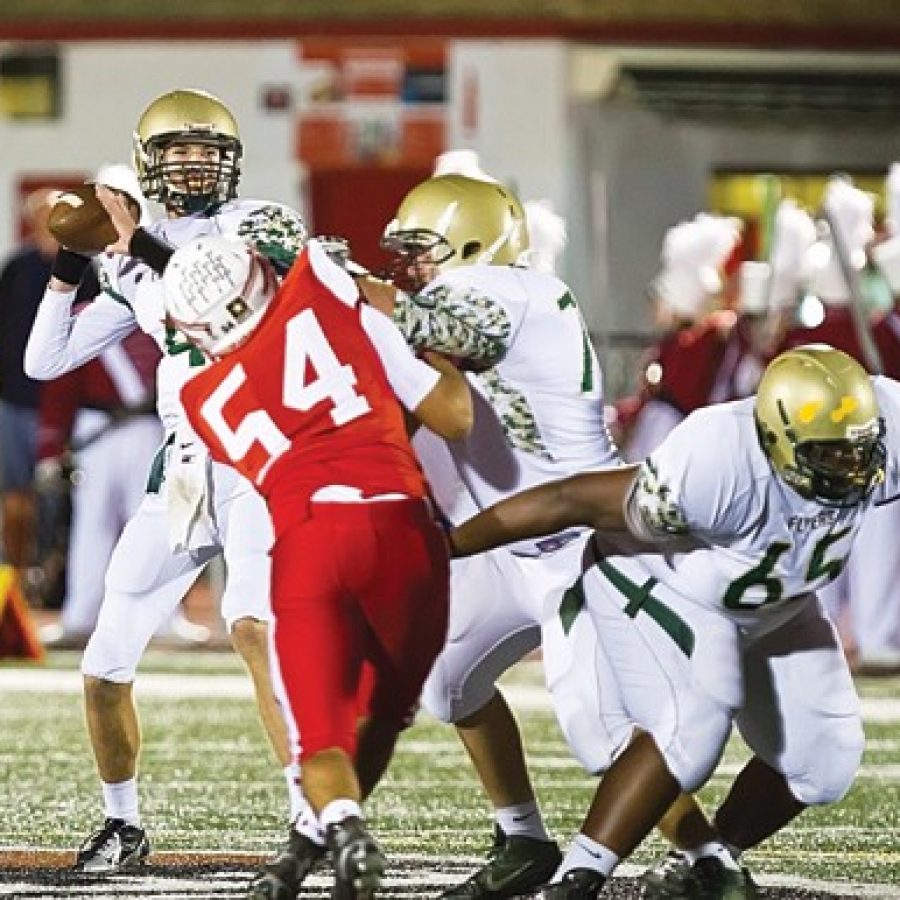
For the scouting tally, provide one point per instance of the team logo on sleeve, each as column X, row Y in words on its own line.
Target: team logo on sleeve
column 658, row 507
column 276, row 232
column 457, row 321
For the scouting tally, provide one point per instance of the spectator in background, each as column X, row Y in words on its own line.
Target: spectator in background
column 849, row 212
column 767, row 295
column 886, row 256
column 22, row 283
column 865, row 598
column 750, row 342
column 794, row 235
column 92, row 420
column 682, row 372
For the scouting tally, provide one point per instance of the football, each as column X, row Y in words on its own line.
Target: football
column 79, row 221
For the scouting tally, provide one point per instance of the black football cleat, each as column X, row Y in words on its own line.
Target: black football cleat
column 668, row 878
column 282, row 876
column 114, row 847
column 576, row 884
column 358, row 861
column 674, row 878
column 715, row 881
column 515, row 866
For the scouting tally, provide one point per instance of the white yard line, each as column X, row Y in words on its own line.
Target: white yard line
column 136, row 885
column 146, row 685
column 524, row 697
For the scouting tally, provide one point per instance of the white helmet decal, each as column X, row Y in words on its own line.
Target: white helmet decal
column 216, row 291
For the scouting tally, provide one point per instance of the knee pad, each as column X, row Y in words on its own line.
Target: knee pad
column 247, row 589
column 692, row 753
column 110, row 658
column 464, row 676
column 585, row 694
column 828, row 774
column 245, row 522
column 594, row 740
column 443, row 698
column 124, row 628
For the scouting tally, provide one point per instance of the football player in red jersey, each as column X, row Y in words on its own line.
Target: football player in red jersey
column 303, row 401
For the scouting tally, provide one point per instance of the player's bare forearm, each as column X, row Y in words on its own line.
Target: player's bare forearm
column 593, row 499
column 448, row 409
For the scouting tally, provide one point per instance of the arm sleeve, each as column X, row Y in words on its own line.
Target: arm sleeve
column 411, row 379
column 152, row 249
column 277, row 232
column 60, row 341
column 460, row 321
column 688, row 485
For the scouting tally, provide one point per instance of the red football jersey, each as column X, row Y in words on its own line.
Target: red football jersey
column 305, row 403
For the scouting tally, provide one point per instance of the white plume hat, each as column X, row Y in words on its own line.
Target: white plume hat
column 887, row 257
column 547, row 236
column 851, row 212
column 892, row 200
column 793, row 236
column 754, row 279
column 692, row 255
column 460, row 162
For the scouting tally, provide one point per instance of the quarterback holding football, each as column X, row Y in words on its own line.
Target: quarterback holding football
column 187, row 156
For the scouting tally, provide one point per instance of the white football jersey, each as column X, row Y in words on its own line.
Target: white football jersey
column 539, row 409
column 132, row 295
column 764, row 545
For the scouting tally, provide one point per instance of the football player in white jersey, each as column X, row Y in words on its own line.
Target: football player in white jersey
column 188, row 157
column 770, row 491
column 538, row 397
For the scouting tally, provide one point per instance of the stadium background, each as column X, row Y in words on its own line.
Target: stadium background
column 628, row 116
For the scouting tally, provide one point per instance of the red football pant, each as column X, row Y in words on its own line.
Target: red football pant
column 359, row 592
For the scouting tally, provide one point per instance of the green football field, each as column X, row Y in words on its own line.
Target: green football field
column 210, row 785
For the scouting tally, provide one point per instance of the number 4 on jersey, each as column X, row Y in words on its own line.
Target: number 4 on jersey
column 306, row 348
column 306, row 344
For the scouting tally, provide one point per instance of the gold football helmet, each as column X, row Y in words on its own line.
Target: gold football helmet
column 171, row 126
column 819, row 424
column 452, row 220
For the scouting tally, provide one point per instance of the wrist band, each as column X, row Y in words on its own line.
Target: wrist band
column 152, row 250
column 69, row 266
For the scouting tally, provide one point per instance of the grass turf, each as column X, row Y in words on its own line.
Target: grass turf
column 209, row 781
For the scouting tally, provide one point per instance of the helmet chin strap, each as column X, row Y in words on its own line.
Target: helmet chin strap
column 187, row 203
